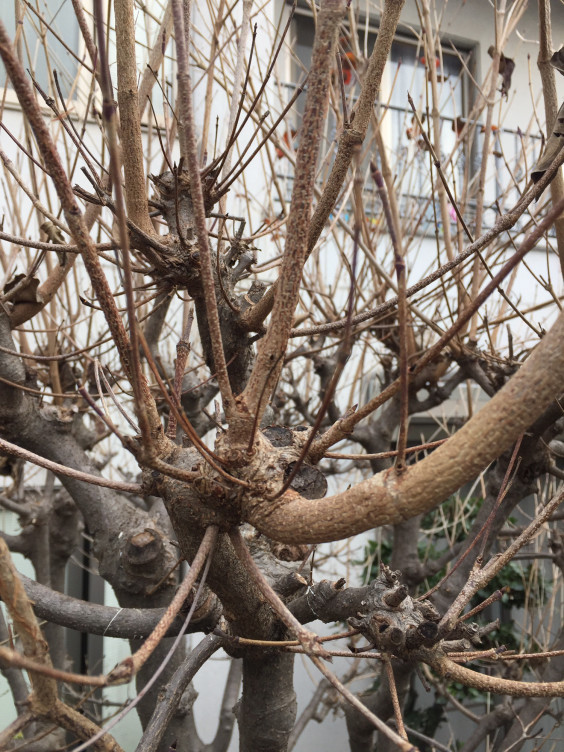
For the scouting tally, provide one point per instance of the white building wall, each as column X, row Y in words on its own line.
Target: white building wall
column 470, row 22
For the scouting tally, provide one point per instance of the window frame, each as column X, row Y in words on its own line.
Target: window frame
column 9, row 98
column 81, row 82
column 290, row 72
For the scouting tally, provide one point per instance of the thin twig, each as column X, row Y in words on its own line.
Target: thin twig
column 482, row 534
column 480, row 577
column 394, row 696
column 401, row 744
column 399, row 260
column 182, row 351
column 384, row 455
column 193, row 167
column 75, row 221
column 13, row 658
column 344, row 427
column 69, row 472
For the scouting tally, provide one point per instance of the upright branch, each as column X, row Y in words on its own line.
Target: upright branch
column 399, row 259
column 192, row 164
column 550, row 109
column 430, row 53
column 269, row 359
column 156, row 56
column 108, row 110
column 360, row 118
column 128, row 100
column 237, row 80
column 352, row 136
column 501, row 34
column 217, row 24
column 76, row 225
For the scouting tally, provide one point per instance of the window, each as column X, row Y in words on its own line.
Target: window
column 407, row 71
column 48, row 40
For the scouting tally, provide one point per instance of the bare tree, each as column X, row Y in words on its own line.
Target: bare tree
column 182, row 396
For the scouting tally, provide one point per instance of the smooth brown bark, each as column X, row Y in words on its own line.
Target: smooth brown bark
column 388, row 499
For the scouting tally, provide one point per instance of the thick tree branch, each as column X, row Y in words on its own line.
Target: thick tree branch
column 384, row 499
column 266, row 715
column 126, row 623
column 455, row 672
column 351, row 137
column 271, row 350
column 224, row 732
column 130, row 123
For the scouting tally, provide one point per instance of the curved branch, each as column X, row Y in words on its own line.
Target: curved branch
column 385, row 499
column 269, row 360
column 454, row 672
column 55, row 467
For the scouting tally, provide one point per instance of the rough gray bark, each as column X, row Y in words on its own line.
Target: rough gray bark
column 176, row 686
column 361, row 733
column 267, row 710
column 125, row 623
